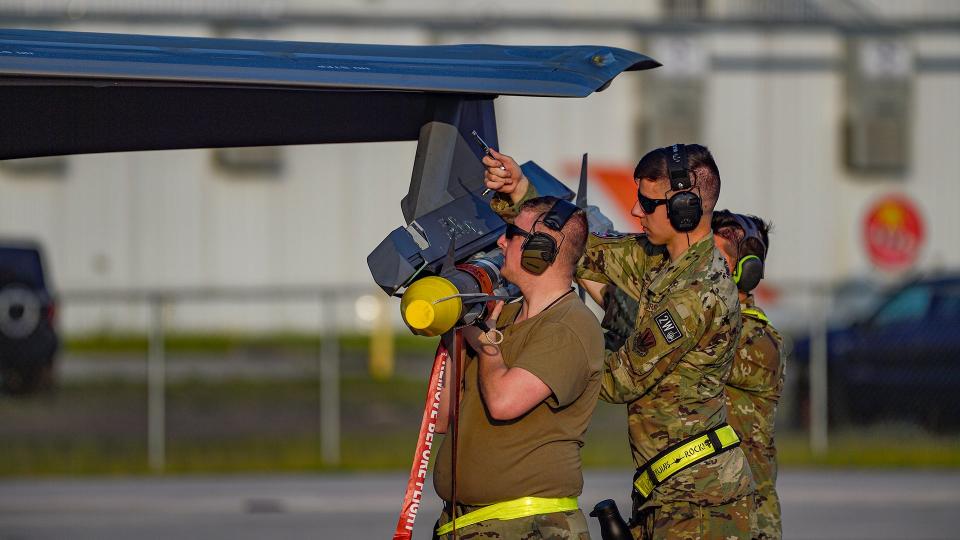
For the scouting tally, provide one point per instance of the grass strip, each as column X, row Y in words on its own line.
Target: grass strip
column 226, row 426
column 221, row 343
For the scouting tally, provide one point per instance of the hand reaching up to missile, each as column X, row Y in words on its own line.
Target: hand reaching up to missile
column 503, row 175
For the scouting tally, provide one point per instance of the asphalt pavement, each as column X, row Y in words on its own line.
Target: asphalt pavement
column 817, row 504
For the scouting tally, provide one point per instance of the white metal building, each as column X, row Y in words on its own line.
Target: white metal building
column 813, row 110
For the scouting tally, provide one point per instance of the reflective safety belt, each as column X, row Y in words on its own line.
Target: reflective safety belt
column 683, row 455
column 756, row 314
column 517, row 508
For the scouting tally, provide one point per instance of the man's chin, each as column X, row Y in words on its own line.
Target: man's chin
column 655, row 240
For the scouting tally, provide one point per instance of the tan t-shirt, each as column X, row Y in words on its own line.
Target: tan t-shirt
column 537, row 454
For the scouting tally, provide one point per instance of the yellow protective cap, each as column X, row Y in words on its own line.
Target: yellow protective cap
column 421, row 311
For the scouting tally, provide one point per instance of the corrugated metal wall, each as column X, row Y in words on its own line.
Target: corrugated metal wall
column 773, row 107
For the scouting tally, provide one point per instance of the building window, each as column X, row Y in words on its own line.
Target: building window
column 878, row 112
column 38, row 167
column 673, row 95
column 261, row 161
column 684, row 9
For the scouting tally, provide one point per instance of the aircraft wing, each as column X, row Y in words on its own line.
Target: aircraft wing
column 75, row 92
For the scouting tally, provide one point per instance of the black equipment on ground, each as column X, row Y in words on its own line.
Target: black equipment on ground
column 684, row 208
column 612, row 525
column 540, row 249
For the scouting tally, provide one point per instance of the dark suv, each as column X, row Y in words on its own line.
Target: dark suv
column 28, row 339
column 902, row 362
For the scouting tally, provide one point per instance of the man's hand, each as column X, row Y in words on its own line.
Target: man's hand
column 477, row 338
column 504, row 176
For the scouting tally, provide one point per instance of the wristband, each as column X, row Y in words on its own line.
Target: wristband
column 498, row 337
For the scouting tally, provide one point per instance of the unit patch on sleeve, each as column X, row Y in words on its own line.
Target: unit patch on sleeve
column 671, row 332
column 643, row 341
column 607, row 235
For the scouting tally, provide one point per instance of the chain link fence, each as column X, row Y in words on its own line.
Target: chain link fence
column 872, row 370
column 166, row 385
column 174, row 379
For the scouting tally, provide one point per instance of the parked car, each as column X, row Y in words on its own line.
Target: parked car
column 901, row 362
column 28, row 337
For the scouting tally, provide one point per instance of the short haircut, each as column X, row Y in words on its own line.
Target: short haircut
column 572, row 239
column 725, row 224
column 700, row 162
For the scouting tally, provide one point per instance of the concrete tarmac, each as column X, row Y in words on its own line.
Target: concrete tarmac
column 829, row 504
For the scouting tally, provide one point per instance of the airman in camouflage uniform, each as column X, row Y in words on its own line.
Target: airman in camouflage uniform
column 756, row 382
column 672, row 367
column 752, row 390
column 673, row 381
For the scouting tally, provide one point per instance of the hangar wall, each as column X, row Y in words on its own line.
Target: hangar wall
column 772, row 103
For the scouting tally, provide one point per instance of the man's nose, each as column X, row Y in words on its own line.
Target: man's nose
column 637, row 211
column 502, row 242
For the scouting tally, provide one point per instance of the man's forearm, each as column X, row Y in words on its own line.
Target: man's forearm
column 522, row 186
column 492, row 370
column 506, row 205
column 508, row 392
column 594, row 289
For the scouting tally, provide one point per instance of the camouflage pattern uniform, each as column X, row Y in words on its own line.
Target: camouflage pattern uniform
column 556, row 526
column 671, row 372
column 507, row 209
column 752, row 393
column 753, row 390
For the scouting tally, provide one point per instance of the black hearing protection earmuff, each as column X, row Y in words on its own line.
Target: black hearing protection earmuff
column 749, row 269
column 684, row 208
column 540, row 249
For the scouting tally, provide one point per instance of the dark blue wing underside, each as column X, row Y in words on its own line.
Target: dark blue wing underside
column 74, row 93
column 471, row 69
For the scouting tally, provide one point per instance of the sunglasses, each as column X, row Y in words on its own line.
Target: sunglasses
column 513, row 230
column 649, row 205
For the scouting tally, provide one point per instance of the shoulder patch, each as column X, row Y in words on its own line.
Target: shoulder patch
column 671, row 332
column 607, row 235
column 643, row 341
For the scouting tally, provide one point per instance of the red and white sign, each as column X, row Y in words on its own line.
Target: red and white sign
column 893, row 232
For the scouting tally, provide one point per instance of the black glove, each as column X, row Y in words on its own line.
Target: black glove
column 619, row 317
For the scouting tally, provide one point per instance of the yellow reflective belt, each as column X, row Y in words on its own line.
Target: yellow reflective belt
column 517, row 508
column 683, row 455
column 755, row 313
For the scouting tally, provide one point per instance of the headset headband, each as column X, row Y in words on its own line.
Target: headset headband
column 559, row 214
column 750, row 230
column 677, row 166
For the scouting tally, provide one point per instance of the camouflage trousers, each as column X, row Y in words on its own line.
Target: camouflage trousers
column 555, row 526
column 767, row 525
column 689, row 521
